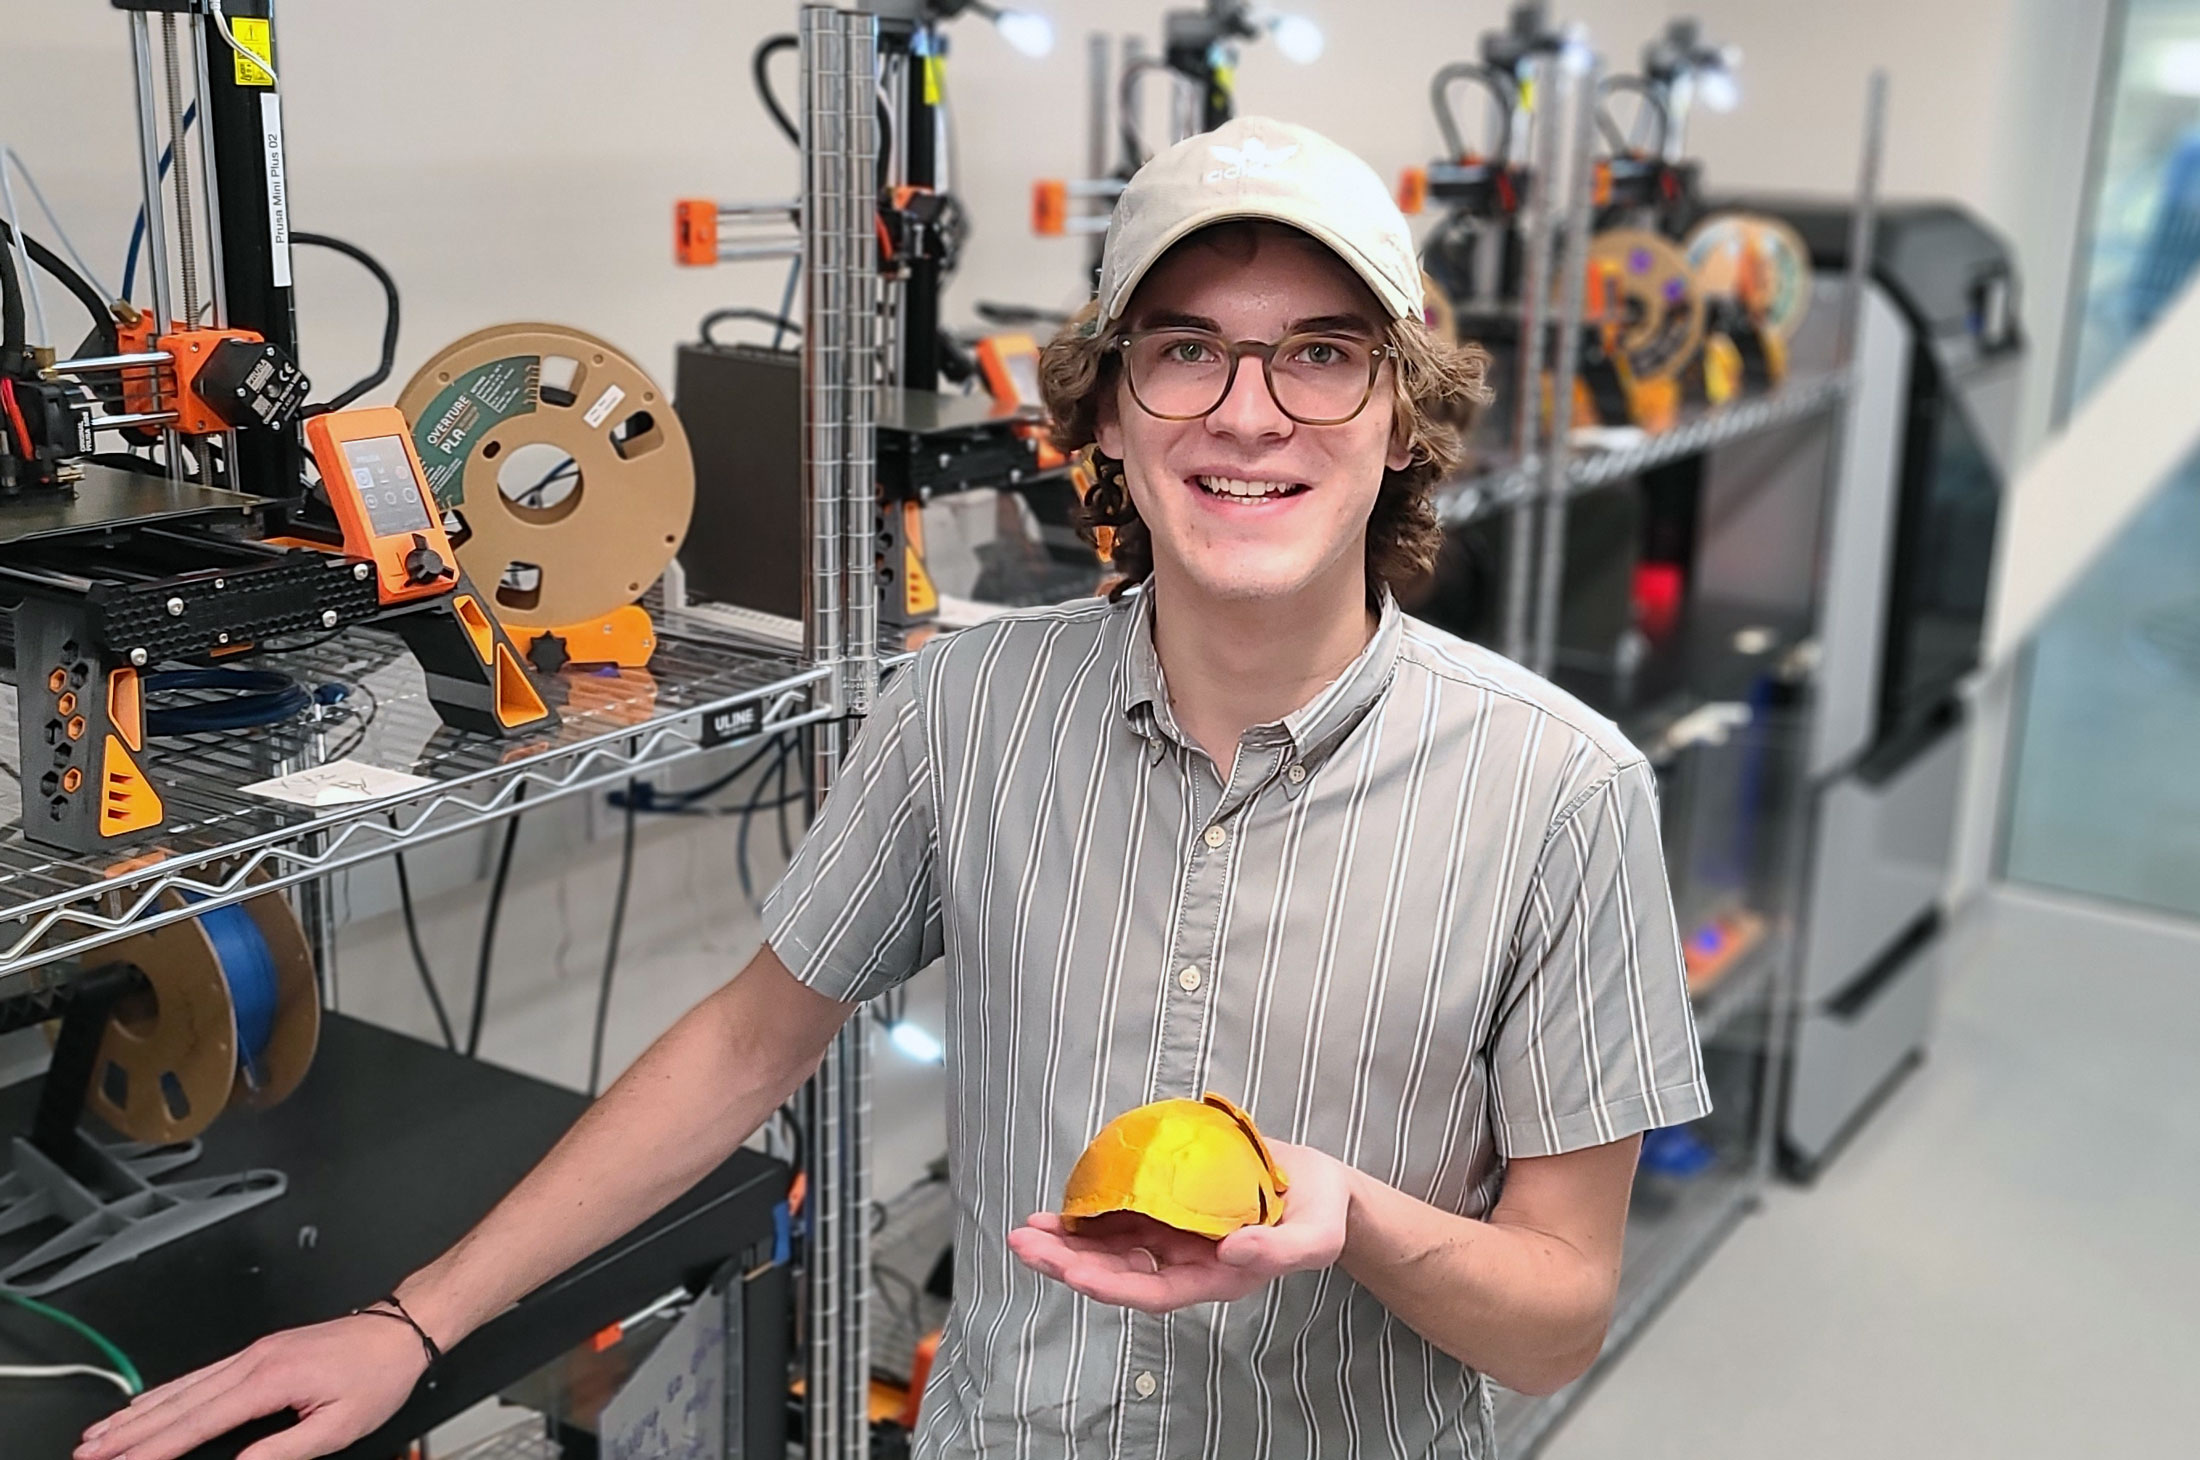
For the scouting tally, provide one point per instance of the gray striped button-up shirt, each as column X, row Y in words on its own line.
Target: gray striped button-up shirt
column 1421, row 924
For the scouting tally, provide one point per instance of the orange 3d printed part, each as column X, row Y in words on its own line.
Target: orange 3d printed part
column 1197, row 1165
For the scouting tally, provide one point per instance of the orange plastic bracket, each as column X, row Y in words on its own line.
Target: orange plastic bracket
column 1413, row 190
column 517, row 702
column 191, row 350
column 127, row 800
column 695, row 232
column 126, row 707
column 1050, row 207
column 478, row 628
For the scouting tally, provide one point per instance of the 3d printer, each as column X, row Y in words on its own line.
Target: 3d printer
column 233, row 515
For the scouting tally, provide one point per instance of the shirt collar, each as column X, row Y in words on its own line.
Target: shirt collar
column 1312, row 730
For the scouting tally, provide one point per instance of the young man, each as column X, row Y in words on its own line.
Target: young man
column 1249, row 829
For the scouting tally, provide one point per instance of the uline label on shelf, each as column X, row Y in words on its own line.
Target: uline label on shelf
column 732, row 723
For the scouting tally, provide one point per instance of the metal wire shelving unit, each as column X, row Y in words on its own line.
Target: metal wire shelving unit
column 223, row 842
column 708, row 685
column 1742, row 1019
column 1707, row 430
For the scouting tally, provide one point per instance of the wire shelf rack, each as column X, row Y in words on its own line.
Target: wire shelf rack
column 1737, row 992
column 1493, row 488
column 222, row 843
column 1794, row 400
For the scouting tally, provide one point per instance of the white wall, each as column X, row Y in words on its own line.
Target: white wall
column 515, row 159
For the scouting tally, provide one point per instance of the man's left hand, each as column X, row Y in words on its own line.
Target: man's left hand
column 1132, row 1261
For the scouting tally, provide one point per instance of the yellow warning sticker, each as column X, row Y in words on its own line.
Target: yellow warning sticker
column 251, row 36
column 923, row 598
column 935, row 75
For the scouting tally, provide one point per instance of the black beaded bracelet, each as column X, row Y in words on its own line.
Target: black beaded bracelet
column 396, row 1310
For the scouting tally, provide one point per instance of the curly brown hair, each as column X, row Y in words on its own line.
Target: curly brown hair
column 1437, row 385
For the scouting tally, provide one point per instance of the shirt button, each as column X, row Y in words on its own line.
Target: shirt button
column 1188, row 980
column 1296, row 775
column 1216, row 836
column 1145, row 1384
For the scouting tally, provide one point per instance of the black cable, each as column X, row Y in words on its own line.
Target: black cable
column 778, row 322
column 532, row 497
column 611, row 949
column 420, row 958
column 680, row 800
column 253, row 698
column 758, row 68
column 792, row 798
column 368, row 262
column 103, row 319
column 748, row 817
column 13, row 355
column 779, row 810
column 799, row 1136
column 786, row 299
column 489, row 925
column 1014, row 315
column 362, row 722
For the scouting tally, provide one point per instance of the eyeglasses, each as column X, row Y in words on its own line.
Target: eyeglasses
column 1316, row 379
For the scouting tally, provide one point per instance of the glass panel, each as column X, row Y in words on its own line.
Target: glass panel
column 2105, row 801
column 2102, row 799
column 2146, row 196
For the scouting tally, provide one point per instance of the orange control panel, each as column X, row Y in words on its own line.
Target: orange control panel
column 381, row 499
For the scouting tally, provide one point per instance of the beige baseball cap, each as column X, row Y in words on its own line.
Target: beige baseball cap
column 1257, row 167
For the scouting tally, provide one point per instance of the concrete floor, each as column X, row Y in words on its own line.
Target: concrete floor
column 2001, row 1264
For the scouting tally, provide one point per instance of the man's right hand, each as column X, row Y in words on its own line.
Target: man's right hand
column 344, row 1379
column 691, row 1098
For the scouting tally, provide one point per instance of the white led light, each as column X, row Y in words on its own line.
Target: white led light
column 1026, row 30
column 1298, row 38
column 1718, row 90
column 2177, row 68
column 916, row 1042
column 1573, row 51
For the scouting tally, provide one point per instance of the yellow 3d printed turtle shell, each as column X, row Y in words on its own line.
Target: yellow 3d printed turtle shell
column 1197, row 1165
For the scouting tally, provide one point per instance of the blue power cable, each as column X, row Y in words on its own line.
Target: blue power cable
column 137, row 229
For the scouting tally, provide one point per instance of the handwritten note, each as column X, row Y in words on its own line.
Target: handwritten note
column 339, row 783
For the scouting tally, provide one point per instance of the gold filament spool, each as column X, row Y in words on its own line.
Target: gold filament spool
column 1760, row 262
column 572, row 555
column 168, row 1063
column 1640, row 290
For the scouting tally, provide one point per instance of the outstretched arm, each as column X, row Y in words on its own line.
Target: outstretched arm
column 697, row 1093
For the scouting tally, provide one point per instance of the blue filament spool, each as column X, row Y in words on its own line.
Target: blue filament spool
column 248, row 968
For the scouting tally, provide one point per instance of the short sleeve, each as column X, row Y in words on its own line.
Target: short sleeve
column 858, row 911
column 1595, row 1038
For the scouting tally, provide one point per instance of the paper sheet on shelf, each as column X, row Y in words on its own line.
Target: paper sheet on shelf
column 339, row 783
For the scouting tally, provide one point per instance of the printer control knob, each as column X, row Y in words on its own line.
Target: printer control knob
column 424, row 564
